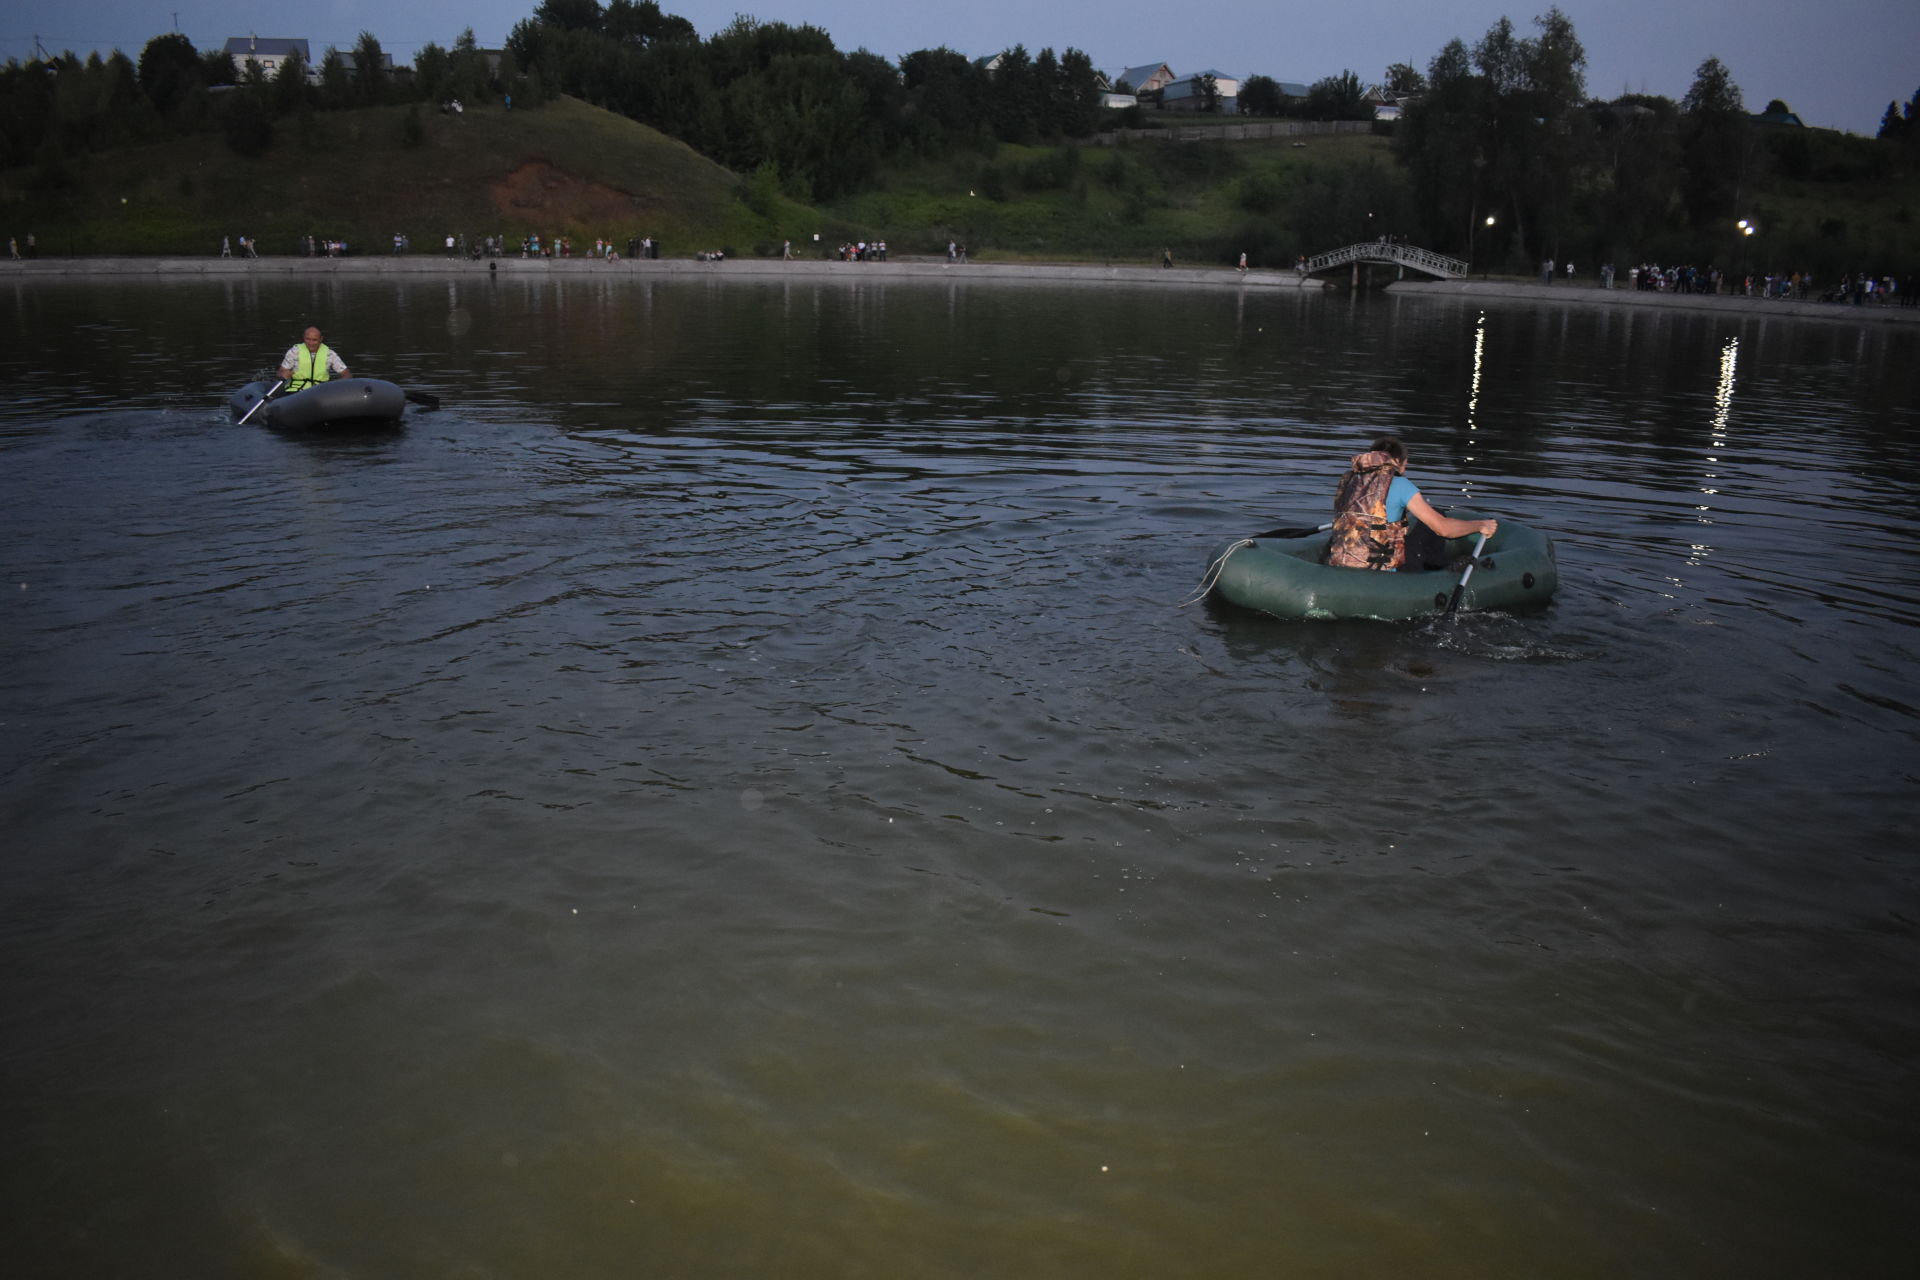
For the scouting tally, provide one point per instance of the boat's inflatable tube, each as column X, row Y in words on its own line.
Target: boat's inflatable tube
column 337, row 400
column 1284, row 577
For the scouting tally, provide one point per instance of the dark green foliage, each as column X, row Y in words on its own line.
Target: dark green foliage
column 170, row 70
column 1337, row 98
column 369, row 72
column 290, row 86
column 1260, row 193
column 248, row 128
column 1715, row 144
column 1260, row 96
column 1500, row 133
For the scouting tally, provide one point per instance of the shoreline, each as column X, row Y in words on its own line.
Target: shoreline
column 932, row 268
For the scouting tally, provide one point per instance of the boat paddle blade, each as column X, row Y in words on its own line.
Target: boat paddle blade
column 1461, row 586
column 423, row 399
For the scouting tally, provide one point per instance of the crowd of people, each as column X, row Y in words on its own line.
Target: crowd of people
column 1858, row 288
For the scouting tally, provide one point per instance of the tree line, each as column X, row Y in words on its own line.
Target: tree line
column 1511, row 163
column 770, row 100
column 781, row 101
column 52, row 109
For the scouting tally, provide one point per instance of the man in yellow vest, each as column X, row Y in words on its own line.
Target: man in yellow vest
column 310, row 361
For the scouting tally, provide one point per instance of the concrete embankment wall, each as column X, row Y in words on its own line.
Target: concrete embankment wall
column 1590, row 294
column 801, row 268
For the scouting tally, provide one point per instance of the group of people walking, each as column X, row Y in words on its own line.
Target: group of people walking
column 13, row 248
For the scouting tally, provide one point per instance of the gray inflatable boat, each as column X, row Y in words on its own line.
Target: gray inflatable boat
column 338, row 400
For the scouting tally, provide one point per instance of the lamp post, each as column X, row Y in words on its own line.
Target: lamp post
column 1470, row 230
column 1746, row 227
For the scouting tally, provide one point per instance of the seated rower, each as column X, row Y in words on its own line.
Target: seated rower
column 1371, row 507
column 310, row 361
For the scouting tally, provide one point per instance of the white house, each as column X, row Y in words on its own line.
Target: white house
column 1184, row 94
column 1144, row 79
column 268, row 51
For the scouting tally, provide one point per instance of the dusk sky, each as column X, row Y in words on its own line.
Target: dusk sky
column 1837, row 62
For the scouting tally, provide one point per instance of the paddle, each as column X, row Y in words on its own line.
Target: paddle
column 424, row 399
column 1293, row 533
column 262, row 400
column 1472, row 560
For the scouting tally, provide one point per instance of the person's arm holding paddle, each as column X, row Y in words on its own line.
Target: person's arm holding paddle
column 1446, row 526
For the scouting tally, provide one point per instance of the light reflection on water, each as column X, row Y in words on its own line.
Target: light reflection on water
column 733, row 789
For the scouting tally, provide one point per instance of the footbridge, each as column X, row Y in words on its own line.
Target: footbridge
column 1386, row 253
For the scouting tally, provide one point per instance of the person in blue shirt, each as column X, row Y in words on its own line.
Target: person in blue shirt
column 1371, row 507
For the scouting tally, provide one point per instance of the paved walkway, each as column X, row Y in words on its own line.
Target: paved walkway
column 932, row 268
column 921, row 268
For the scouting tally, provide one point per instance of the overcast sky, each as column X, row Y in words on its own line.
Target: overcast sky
column 1836, row 62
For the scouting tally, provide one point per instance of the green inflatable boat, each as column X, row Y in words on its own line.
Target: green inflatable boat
column 1284, row 576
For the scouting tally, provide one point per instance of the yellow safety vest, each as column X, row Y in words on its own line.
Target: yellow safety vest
column 315, row 365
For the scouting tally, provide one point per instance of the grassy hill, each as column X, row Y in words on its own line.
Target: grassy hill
column 574, row 170
column 1206, row 201
column 564, row 169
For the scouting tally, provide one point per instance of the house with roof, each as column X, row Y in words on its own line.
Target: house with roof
column 1144, row 79
column 1188, row 94
column 351, row 62
column 1386, row 104
column 268, row 51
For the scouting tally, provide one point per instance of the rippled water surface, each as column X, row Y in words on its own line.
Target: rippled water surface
column 734, row 792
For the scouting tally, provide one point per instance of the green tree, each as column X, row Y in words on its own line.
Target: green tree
column 1337, row 98
column 290, row 86
column 369, row 69
column 431, row 70
column 1713, row 144
column 169, row 72
column 1442, row 142
column 1078, row 101
column 467, row 75
column 571, row 15
column 1556, row 87
column 1260, row 96
column 1403, row 79
column 336, row 86
column 217, row 68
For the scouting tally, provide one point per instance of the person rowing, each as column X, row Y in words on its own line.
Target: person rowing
column 310, row 362
column 1371, row 507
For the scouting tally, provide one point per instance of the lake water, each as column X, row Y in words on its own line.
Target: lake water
column 734, row 792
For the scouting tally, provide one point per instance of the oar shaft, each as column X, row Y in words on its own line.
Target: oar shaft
column 257, row 403
column 1460, row 588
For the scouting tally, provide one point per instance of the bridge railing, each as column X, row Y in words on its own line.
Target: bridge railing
column 1406, row 255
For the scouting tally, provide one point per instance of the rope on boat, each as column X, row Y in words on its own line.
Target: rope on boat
column 1213, row 573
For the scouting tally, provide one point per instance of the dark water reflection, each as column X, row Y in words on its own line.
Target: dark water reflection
column 733, row 793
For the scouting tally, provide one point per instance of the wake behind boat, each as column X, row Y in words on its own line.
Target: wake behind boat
column 1286, row 576
column 335, row 402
